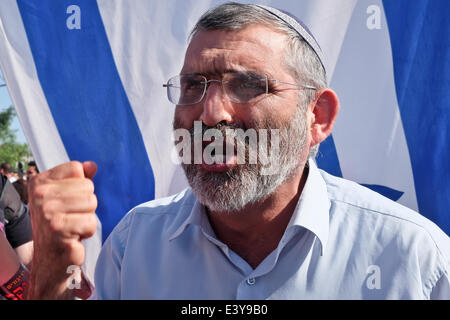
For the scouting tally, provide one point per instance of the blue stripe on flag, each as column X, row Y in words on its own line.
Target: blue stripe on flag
column 385, row 191
column 89, row 105
column 420, row 40
column 327, row 158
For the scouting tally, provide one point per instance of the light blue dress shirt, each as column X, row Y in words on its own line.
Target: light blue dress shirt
column 343, row 241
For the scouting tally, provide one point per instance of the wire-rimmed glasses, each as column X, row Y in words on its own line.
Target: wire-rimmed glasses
column 239, row 87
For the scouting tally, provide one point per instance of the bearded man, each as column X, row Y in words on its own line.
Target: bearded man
column 296, row 233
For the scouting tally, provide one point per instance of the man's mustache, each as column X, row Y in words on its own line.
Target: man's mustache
column 221, row 126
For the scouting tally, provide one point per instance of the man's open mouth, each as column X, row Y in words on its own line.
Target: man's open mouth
column 218, row 157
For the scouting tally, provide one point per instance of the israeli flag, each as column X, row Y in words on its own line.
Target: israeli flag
column 86, row 79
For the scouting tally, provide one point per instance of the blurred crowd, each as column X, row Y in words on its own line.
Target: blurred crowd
column 16, row 245
column 20, row 178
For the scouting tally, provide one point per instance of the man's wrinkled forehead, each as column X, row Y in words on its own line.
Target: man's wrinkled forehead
column 220, row 51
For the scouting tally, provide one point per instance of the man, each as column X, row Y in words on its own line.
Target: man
column 32, row 170
column 6, row 170
column 296, row 233
column 21, row 187
column 21, row 184
column 13, row 275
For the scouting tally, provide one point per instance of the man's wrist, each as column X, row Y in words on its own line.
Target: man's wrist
column 46, row 285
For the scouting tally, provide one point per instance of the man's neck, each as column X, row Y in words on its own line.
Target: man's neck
column 255, row 231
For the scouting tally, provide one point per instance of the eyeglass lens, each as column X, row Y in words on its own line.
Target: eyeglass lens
column 240, row 87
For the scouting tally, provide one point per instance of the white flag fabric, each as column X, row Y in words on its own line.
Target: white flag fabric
column 86, row 80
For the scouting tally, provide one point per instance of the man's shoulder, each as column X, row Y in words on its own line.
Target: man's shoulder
column 358, row 203
column 353, row 194
column 166, row 205
column 168, row 211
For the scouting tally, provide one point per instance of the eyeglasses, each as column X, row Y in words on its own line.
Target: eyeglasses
column 239, row 87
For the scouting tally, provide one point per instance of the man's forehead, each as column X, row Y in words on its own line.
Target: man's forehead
column 219, row 51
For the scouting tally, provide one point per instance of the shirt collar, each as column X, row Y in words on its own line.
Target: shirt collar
column 311, row 212
column 196, row 217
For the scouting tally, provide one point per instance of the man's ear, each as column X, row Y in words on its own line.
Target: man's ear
column 324, row 109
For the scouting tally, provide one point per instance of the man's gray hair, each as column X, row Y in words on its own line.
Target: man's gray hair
column 301, row 60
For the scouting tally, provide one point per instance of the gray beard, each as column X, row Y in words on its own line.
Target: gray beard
column 243, row 185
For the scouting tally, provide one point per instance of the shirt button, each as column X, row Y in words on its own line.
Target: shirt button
column 251, row 281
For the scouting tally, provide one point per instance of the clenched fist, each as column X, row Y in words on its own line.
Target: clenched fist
column 62, row 207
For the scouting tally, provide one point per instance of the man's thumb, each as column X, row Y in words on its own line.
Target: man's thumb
column 90, row 168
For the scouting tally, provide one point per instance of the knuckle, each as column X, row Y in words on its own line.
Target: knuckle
column 57, row 223
column 73, row 250
column 75, row 168
column 89, row 226
column 93, row 221
column 77, row 252
column 92, row 226
column 92, row 200
column 47, row 208
column 74, row 245
column 88, row 185
column 71, row 245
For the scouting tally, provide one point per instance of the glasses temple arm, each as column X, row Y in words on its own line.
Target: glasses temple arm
column 293, row 84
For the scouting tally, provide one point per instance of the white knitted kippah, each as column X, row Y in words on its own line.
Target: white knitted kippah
column 298, row 26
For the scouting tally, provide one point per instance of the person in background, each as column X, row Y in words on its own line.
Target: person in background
column 21, row 187
column 16, row 246
column 13, row 274
column 21, row 184
column 15, row 221
column 32, row 170
column 6, row 170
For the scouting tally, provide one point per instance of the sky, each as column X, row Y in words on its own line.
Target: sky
column 5, row 102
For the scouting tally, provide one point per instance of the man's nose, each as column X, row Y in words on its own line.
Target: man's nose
column 216, row 106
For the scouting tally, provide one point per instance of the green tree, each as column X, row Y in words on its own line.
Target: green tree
column 10, row 150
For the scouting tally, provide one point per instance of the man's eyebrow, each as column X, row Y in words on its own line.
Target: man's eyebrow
column 215, row 72
column 221, row 72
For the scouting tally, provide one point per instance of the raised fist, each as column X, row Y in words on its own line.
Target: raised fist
column 62, row 207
